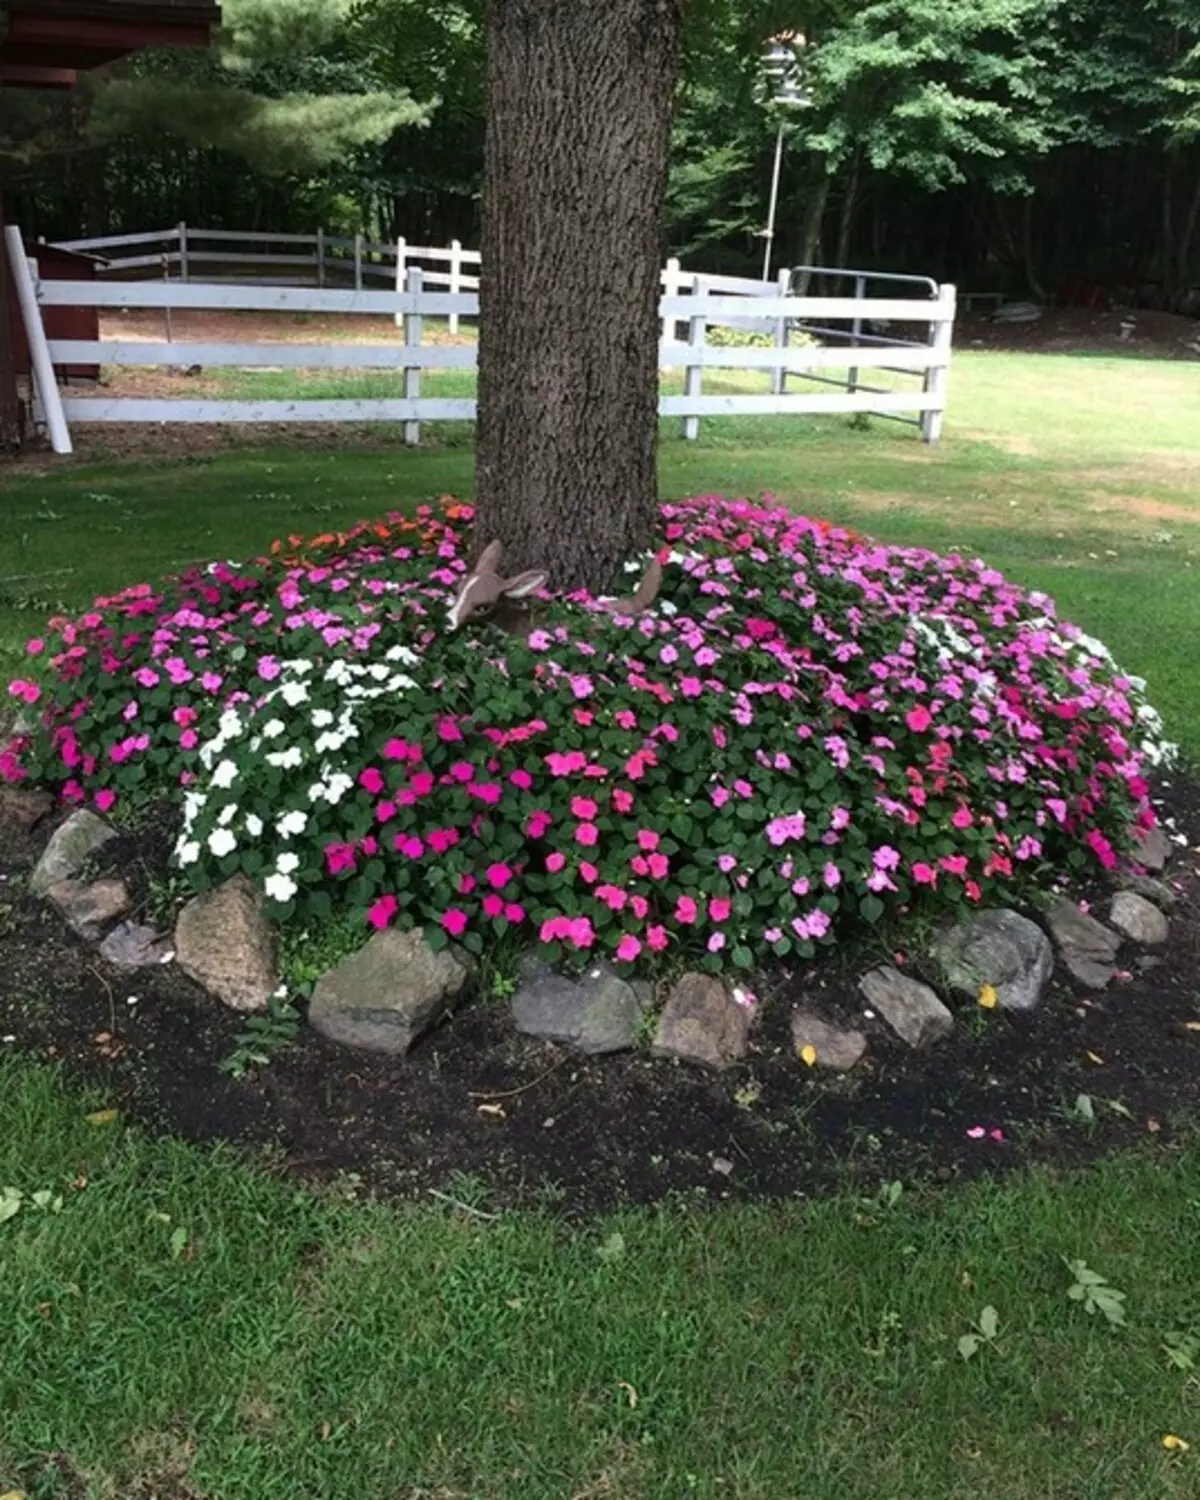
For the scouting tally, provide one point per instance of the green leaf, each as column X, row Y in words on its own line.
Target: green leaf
column 989, row 1322
column 871, row 908
column 968, row 1345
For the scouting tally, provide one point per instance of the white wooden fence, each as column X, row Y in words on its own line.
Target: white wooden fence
column 694, row 303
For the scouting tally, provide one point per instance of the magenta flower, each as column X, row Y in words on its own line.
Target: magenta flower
column 521, row 778
column 498, row 876
column 581, row 932
column 566, row 765
column 339, row 857
column 656, row 938
column 588, row 872
column 686, row 910
column 371, row 781
column 918, row 719
column 622, row 799
column 612, row 896
column 555, row 862
column 962, row 817
column 719, row 908
column 514, row 913
column 105, row 798
column 583, row 808
column 726, row 862
column 924, row 874
column 628, row 948
column 454, row 920
column 587, row 834
column 493, row 905
column 659, row 865
column 441, row 839
column 381, row 914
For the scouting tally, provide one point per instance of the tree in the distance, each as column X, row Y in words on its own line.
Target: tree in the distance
column 579, row 97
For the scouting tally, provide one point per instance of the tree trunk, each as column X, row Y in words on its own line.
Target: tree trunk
column 814, row 219
column 11, row 434
column 579, row 96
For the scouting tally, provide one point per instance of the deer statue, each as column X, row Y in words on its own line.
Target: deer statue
column 483, row 590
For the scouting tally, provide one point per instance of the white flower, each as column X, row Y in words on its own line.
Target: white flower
column 222, row 842
column 225, row 775
column 286, row 760
column 337, row 671
column 667, row 608
column 287, row 864
column 291, row 823
column 403, row 654
column 379, row 672
column 231, row 724
column 337, row 786
column 330, row 740
column 273, row 728
column 227, row 814
column 321, row 718
column 294, row 693
column 300, row 666
column 187, row 851
column 254, row 825
column 279, row 887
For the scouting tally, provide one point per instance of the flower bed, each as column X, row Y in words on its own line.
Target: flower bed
column 807, row 729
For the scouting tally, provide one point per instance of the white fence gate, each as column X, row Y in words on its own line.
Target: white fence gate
column 692, row 303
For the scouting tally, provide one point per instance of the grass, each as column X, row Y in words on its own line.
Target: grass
column 290, row 1342
column 183, row 1315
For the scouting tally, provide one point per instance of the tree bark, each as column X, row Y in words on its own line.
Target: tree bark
column 579, row 96
column 814, row 219
column 11, row 433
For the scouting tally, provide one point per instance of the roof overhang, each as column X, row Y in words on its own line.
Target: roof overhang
column 44, row 43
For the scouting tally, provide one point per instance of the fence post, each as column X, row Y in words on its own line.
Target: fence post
column 782, row 337
column 455, row 278
column 358, row 254
column 413, row 333
column 320, row 256
column 24, row 275
column 401, row 281
column 672, row 284
column 860, row 292
column 183, row 251
column 693, row 381
column 166, row 265
column 937, row 376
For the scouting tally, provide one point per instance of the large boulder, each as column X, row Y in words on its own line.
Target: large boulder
column 90, row 909
column 1152, row 849
column 71, row 845
column 998, row 948
column 1157, row 891
column 703, row 1023
column 389, row 993
column 224, row 942
column 1088, row 948
column 909, row 1007
column 833, row 1046
column 22, row 808
column 1139, row 919
column 597, row 1013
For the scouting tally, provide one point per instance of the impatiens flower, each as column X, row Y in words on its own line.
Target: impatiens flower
column 371, row 781
column 555, row 862
column 221, row 842
column 382, row 912
column 628, row 948
column 588, row 872
column 493, row 905
column 686, row 910
column 105, row 798
column 719, row 908
column 962, row 817
column 612, row 896
column 581, row 933
column 583, row 808
column 553, row 929
column 716, row 942
column 587, row 834
column 514, row 913
column 454, row 920
column 498, row 875
column 521, row 778
column 918, row 719
column 622, row 799
column 924, row 874
column 656, row 938
column 726, row 862
column 659, row 866
column 279, row 888
column 565, row 765
column 339, row 858
column 647, row 839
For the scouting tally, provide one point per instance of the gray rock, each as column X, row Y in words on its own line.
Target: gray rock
column 1157, row 891
column 909, row 1007
column 835, row 1048
column 225, row 943
column 1153, row 849
column 702, row 1023
column 133, row 946
column 600, row 1012
column 22, row 808
column 1138, row 918
column 71, row 845
column 90, row 909
column 389, row 993
column 1088, row 948
column 1000, row 948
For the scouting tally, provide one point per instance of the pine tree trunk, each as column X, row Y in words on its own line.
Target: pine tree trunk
column 575, row 165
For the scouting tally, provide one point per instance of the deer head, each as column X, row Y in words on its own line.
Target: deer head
column 642, row 598
column 483, row 587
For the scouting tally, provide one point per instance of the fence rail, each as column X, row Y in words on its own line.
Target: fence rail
column 815, row 340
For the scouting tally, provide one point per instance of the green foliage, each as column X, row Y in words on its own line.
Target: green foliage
column 261, row 1037
column 984, row 1332
column 1095, row 1293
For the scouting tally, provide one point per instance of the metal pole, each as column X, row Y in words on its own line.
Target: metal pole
column 770, row 234
column 44, row 377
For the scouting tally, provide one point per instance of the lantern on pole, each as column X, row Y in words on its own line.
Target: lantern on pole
column 783, row 90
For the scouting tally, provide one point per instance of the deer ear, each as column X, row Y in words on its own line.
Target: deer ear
column 489, row 558
column 524, row 583
column 647, row 590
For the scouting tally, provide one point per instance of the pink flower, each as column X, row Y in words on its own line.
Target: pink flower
column 581, row 932
column 583, row 808
column 622, row 799
column 498, row 876
column 371, row 781
column 659, row 865
column 954, row 864
column 538, row 822
column 401, row 750
column 409, row 845
column 918, row 719
column 448, row 730
column 105, row 798
column 886, row 858
column 487, row 792
column 441, row 839
column 686, row 910
column 565, row 765
column 27, row 692
column 454, row 920
column 1102, row 849
column 924, row 874
column 647, row 839
column 553, row 929
column 716, row 942
column 521, row 778
column 656, row 938
column 381, row 914
column 962, row 817
column 725, row 863
column 339, row 857
column 462, row 771
column 719, row 908
column 587, row 834
column 493, row 905
column 588, row 872
column 555, row 862
column 35, row 647
column 268, row 668
column 514, row 913
column 976, row 1133
column 628, row 948
column 831, row 875
column 612, row 896
column 639, row 906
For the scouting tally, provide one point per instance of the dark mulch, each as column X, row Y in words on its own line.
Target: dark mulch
column 477, row 1100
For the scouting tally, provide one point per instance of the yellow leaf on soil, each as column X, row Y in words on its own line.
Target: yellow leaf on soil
column 101, row 1117
column 987, row 996
column 1175, row 1444
column 809, row 1054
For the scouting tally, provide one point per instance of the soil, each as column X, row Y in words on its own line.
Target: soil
column 476, row 1103
column 1075, row 330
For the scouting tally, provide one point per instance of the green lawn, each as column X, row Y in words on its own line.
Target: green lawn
column 193, row 1329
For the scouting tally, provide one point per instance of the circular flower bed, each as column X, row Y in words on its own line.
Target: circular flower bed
column 806, row 729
